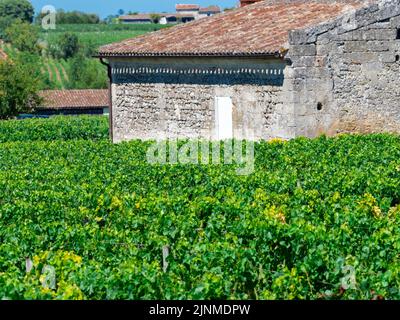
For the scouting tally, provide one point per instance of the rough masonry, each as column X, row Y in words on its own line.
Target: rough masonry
column 338, row 74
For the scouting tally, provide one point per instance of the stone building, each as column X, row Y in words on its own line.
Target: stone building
column 192, row 9
column 281, row 68
column 136, row 18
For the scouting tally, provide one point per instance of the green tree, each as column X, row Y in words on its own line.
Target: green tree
column 72, row 17
column 69, row 45
column 5, row 22
column 155, row 17
column 111, row 19
column 23, row 36
column 20, row 83
column 17, row 9
column 85, row 73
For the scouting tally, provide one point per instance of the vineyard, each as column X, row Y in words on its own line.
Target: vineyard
column 100, row 34
column 57, row 72
column 318, row 219
column 54, row 71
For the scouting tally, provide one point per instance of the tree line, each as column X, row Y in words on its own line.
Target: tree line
column 72, row 17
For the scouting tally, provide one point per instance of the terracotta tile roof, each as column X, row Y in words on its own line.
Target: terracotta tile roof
column 258, row 29
column 187, row 7
column 215, row 9
column 74, row 99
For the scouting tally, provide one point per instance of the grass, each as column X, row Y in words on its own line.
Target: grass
column 98, row 35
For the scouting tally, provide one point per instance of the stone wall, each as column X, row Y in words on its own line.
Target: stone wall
column 339, row 76
column 164, row 98
column 345, row 73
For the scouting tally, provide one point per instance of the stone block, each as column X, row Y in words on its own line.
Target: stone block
column 307, row 61
column 395, row 22
column 303, row 50
column 387, row 57
column 378, row 46
column 356, row 46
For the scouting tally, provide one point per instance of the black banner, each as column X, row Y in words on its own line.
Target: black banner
column 199, row 309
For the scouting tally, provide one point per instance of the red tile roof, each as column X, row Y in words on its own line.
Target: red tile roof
column 187, row 7
column 74, row 99
column 258, row 29
column 215, row 9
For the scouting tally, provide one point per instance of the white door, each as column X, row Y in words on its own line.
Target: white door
column 223, row 117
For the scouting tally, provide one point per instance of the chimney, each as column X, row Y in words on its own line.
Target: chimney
column 247, row 2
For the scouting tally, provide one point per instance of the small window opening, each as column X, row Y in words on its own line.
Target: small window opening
column 319, row 106
column 397, row 58
column 398, row 34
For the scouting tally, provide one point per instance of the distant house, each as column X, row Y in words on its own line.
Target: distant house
column 185, row 17
column 169, row 19
column 196, row 11
column 187, row 9
column 70, row 102
column 176, row 18
column 136, row 18
column 209, row 11
column 184, row 13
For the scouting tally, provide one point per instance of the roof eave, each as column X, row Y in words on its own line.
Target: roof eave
column 277, row 54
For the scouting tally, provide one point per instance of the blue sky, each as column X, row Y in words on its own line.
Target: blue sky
column 106, row 7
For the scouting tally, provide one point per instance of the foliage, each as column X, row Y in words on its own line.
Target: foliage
column 5, row 22
column 99, row 34
column 84, row 73
column 100, row 215
column 71, row 17
column 17, row 9
column 105, row 28
column 23, row 36
column 56, row 71
column 20, row 82
column 68, row 44
column 155, row 18
column 58, row 128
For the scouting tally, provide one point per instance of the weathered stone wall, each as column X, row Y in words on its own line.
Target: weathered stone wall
column 345, row 73
column 343, row 76
column 164, row 98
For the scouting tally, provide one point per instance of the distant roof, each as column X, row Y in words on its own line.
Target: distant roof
column 257, row 29
column 187, row 7
column 74, row 99
column 136, row 17
column 215, row 9
column 145, row 16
